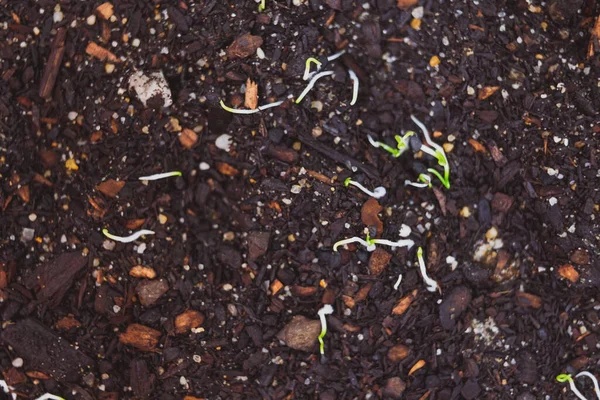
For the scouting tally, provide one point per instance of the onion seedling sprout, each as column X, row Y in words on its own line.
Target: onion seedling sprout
column 401, row 147
column 397, row 284
column 48, row 396
column 156, row 177
column 311, row 84
column 325, row 310
column 262, row 5
column 354, row 86
column 246, row 112
column 377, row 193
column 7, row 389
column 370, row 243
column 310, row 60
column 437, row 152
column 567, row 378
column 336, row 55
column 127, row 239
column 594, row 380
column 432, row 285
column 426, row 179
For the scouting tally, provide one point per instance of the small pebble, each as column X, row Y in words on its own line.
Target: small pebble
column 296, row 189
column 135, row 42
column 162, row 219
column 417, row 12
column 223, row 142
column 405, row 231
column 108, row 245
column 17, row 362
column 72, row 115
column 204, row 166
column 552, row 201
column 465, row 212
column 91, row 20
column 32, row 217
column 27, row 234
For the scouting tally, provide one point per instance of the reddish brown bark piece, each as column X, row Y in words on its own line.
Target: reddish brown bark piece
column 398, row 353
column 594, row 43
column 68, row 322
column 487, row 91
column 568, row 272
column 580, row 257
column 369, row 217
column 188, row 320
column 303, row 291
column 141, row 337
column 525, row 299
column 105, row 10
column 141, row 381
column 394, row 388
column 501, row 202
column 44, row 351
column 100, row 52
column 188, row 138
column 300, row 333
column 404, row 303
column 110, row 187
column 258, row 243
column 53, row 64
column 244, row 46
column 283, row 153
column 150, row 291
column 406, row 4
column 55, row 277
column 379, row 261
column 251, row 95
column 453, row 306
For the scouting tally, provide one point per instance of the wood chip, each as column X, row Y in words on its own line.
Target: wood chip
column 406, row 4
column 105, row 10
column 100, row 53
column 110, row 187
column 378, row 261
column 303, row 291
column 226, row 169
column 528, row 300
column 23, row 193
column 369, row 217
column 567, row 271
column 403, row 304
column 141, row 337
column 67, row 323
column 188, row 320
column 251, row 99
column 244, row 46
column 478, row 147
column 594, row 43
column 135, row 223
column 53, row 64
column 418, row 365
column 398, row 353
column 487, row 91
column 140, row 271
column 188, row 138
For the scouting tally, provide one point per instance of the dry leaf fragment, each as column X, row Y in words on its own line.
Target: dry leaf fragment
column 100, row 52
column 398, row 353
column 567, row 271
column 594, row 42
column 110, row 187
column 37, row 375
column 188, row 320
column 251, row 100
column 23, row 193
column 406, row 4
column 68, row 322
column 478, row 147
column 404, row 303
column 141, row 337
column 105, row 10
column 418, row 365
column 528, row 300
column 134, row 224
column 368, row 214
column 487, row 91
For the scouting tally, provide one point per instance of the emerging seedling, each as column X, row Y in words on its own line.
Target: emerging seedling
column 377, row 193
column 325, row 310
column 245, row 112
column 594, row 380
column 156, row 177
column 567, row 378
column 307, row 73
column 311, row 84
column 397, row 284
column 354, row 86
column 432, row 285
column 424, row 178
column 127, row 239
column 437, row 152
column 262, row 5
column 7, row 389
column 370, row 243
column 336, row 56
column 401, row 147
column 48, row 396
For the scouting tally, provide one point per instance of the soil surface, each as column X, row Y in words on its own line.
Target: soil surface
column 222, row 301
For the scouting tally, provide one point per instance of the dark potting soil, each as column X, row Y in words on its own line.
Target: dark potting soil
column 222, row 301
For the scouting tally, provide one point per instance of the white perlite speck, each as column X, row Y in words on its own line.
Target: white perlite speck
column 405, row 231
column 552, row 201
column 148, row 86
column 223, row 142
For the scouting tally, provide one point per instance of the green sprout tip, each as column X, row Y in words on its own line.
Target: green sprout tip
column 436, row 151
column 310, row 60
column 325, row 310
column 262, row 6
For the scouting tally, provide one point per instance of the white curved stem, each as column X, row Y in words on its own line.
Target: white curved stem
column 415, row 184
column 593, row 378
column 397, row 284
column 270, row 105
column 373, row 142
column 311, row 84
column 336, row 55
column 7, row 389
column 400, row 243
column 352, row 240
column 432, row 285
column 48, row 396
column 354, row 86
column 325, row 310
column 377, row 193
column 127, row 239
column 156, row 177
column 236, row 111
